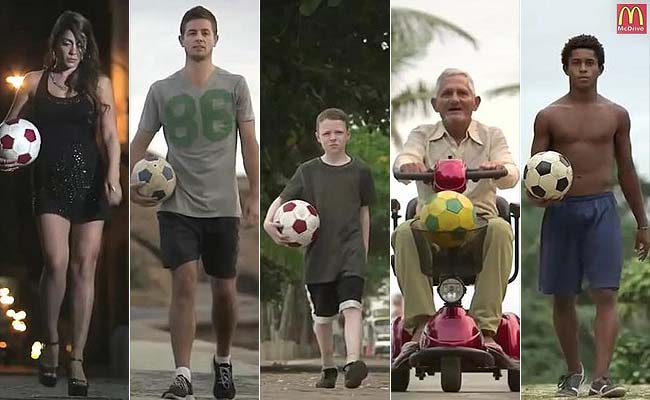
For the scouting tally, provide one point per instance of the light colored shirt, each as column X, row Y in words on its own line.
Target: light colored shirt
column 430, row 143
column 200, row 126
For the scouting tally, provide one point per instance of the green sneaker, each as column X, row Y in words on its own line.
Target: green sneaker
column 604, row 387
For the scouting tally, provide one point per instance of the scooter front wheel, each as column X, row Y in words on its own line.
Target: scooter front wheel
column 450, row 374
column 399, row 379
column 513, row 380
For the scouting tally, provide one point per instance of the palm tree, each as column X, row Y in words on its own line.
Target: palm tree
column 412, row 31
column 505, row 90
column 411, row 34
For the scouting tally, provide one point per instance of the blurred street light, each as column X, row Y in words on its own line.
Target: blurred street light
column 36, row 350
column 16, row 81
column 20, row 315
column 19, row 326
column 10, row 313
column 7, row 300
column 4, row 292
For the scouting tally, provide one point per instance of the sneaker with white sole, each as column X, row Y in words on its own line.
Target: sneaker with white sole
column 604, row 387
column 180, row 389
column 569, row 385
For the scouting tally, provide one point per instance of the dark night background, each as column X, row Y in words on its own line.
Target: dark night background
column 24, row 31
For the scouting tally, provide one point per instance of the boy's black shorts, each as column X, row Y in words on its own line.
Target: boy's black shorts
column 328, row 299
column 214, row 240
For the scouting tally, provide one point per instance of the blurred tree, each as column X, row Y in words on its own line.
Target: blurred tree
column 631, row 360
column 337, row 56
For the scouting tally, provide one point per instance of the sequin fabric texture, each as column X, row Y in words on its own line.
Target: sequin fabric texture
column 68, row 176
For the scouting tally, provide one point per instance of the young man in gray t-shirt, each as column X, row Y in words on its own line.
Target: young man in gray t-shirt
column 341, row 189
column 201, row 108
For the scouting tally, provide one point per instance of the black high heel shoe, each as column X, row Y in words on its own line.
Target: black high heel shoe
column 47, row 375
column 77, row 387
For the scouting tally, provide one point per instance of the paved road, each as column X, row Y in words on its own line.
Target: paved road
column 149, row 385
column 300, row 386
column 152, row 361
column 27, row 387
column 475, row 386
column 152, row 369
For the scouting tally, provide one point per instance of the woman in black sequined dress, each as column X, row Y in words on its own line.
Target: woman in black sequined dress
column 76, row 179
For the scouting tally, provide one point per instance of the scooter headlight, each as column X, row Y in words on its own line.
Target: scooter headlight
column 451, row 290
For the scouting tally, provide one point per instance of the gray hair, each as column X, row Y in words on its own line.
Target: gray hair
column 449, row 72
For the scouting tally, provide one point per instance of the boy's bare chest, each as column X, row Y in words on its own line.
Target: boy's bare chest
column 593, row 127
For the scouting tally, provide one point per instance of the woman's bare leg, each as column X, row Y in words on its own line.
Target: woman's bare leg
column 53, row 233
column 86, row 240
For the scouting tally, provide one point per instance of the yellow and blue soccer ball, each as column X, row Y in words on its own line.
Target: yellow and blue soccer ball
column 449, row 216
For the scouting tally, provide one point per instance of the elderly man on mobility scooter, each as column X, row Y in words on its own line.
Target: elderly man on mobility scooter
column 484, row 152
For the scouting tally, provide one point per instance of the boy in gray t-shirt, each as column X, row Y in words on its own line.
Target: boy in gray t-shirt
column 341, row 189
column 201, row 108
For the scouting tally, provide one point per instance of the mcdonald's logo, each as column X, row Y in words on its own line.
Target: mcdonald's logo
column 631, row 18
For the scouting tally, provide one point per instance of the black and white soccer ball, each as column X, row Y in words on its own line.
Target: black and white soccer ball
column 548, row 175
column 156, row 176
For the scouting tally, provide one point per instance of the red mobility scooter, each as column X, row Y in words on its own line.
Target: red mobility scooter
column 451, row 342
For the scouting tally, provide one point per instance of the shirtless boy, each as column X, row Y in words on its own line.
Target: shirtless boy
column 581, row 233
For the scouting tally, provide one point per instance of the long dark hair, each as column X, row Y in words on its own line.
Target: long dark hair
column 84, row 80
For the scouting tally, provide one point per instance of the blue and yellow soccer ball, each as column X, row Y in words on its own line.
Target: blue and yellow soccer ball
column 448, row 216
column 156, row 176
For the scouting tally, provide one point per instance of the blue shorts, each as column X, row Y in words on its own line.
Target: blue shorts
column 581, row 235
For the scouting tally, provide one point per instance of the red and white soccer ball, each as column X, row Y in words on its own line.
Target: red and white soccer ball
column 299, row 221
column 19, row 141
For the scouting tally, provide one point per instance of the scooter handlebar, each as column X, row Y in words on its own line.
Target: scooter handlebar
column 414, row 176
column 476, row 174
column 470, row 174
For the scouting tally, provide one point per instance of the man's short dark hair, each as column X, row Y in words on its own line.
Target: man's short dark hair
column 198, row 12
column 583, row 42
column 333, row 114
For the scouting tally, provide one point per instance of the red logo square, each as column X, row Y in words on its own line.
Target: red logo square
column 632, row 18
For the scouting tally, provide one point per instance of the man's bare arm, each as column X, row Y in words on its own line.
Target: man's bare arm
column 542, row 133
column 137, row 151
column 629, row 181
column 627, row 176
column 541, row 142
column 250, row 154
column 139, row 146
